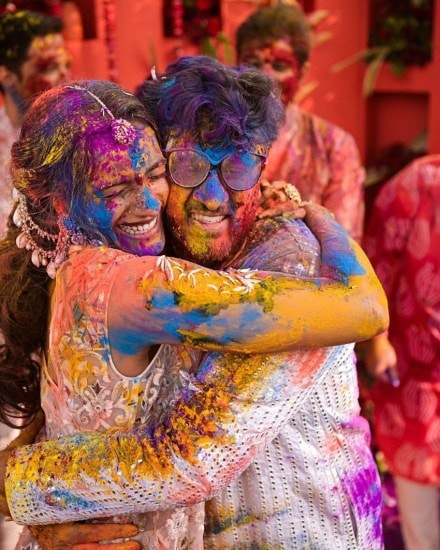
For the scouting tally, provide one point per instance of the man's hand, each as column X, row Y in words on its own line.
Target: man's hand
column 86, row 536
column 380, row 359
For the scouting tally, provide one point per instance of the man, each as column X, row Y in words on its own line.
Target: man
column 32, row 59
column 318, row 481
column 305, row 487
column 318, row 157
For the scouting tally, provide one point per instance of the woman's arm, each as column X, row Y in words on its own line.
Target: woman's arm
column 164, row 300
column 222, row 419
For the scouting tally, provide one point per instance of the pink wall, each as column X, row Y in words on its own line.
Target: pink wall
column 400, row 109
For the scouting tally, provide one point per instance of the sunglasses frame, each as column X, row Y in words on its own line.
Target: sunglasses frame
column 216, row 166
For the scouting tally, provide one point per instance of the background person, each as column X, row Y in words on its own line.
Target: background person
column 403, row 242
column 318, row 157
column 33, row 58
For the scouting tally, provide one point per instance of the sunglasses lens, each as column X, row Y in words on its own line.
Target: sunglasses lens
column 187, row 168
column 241, row 171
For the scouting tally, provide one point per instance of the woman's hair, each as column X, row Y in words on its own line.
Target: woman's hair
column 52, row 163
column 214, row 103
column 274, row 23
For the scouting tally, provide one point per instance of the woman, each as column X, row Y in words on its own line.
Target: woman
column 89, row 172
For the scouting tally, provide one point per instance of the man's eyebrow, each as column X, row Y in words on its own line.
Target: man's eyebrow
column 155, row 165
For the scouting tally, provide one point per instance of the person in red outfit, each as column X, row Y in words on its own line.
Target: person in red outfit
column 318, row 157
column 403, row 243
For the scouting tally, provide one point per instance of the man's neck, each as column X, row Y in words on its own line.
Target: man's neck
column 14, row 107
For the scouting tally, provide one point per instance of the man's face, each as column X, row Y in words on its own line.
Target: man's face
column 208, row 223
column 277, row 59
column 47, row 65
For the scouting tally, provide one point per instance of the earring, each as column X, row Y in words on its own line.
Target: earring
column 50, row 259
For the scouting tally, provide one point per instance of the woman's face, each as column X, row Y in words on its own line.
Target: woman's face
column 129, row 191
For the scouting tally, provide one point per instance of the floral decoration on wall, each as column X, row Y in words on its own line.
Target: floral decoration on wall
column 400, row 34
column 196, row 20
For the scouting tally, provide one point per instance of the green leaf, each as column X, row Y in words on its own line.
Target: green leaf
column 398, row 68
column 363, row 55
column 207, row 47
column 372, row 72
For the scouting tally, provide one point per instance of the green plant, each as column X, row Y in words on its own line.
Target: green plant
column 401, row 35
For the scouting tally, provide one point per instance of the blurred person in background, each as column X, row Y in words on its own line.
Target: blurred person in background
column 403, row 243
column 32, row 59
column 319, row 158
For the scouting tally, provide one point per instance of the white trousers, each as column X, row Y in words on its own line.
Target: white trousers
column 419, row 510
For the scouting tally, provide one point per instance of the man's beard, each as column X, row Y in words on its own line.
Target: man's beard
column 203, row 252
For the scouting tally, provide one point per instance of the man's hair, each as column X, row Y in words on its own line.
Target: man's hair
column 213, row 103
column 18, row 30
column 274, row 23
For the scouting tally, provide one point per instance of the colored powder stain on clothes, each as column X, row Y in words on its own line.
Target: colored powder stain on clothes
column 364, row 492
column 65, row 498
column 216, row 525
column 339, row 257
column 127, row 341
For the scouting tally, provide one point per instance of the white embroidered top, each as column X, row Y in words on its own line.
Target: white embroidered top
column 87, row 393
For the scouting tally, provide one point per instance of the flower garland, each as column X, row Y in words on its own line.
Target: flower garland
column 110, row 38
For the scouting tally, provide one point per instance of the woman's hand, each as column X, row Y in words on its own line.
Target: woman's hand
column 26, row 437
column 86, row 536
column 280, row 198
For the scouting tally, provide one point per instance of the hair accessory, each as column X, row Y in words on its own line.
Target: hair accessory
column 153, row 73
column 50, row 259
column 123, row 132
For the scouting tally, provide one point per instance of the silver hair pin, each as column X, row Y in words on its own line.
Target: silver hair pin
column 123, row 132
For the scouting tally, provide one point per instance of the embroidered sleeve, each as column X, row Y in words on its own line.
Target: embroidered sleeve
column 221, row 420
